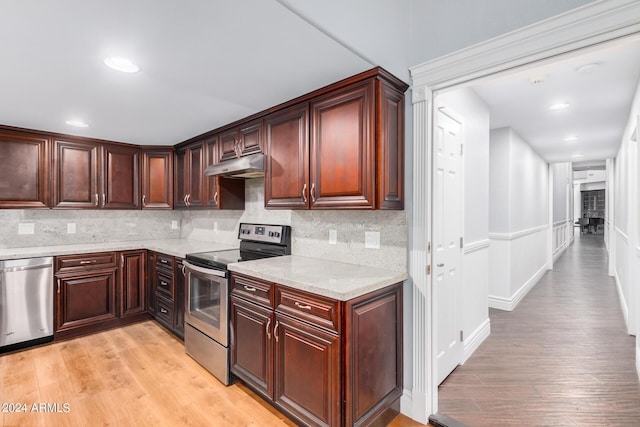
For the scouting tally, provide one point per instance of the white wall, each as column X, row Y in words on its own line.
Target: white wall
column 562, row 232
column 518, row 218
column 474, row 286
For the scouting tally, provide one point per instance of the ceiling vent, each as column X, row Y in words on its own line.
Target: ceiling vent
column 536, row 80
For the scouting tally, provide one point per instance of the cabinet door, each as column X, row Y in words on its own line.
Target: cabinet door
column 76, row 173
column 229, row 145
column 390, row 178
column 121, row 172
column 251, row 138
column 307, row 372
column 133, row 298
column 179, row 303
column 287, row 159
column 24, row 171
column 212, row 148
column 157, row 179
column 342, row 153
column 196, row 193
column 181, row 178
column 151, row 282
column 85, row 299
column 251, row 345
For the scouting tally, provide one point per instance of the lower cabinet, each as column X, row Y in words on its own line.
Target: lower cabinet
column 166, row 289
column 99, row 291
column 321, row 361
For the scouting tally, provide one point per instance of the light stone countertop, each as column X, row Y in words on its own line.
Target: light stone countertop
column 175, row 247
column 332, row 279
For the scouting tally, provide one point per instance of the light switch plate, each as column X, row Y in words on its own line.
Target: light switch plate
column 372, row 239
column 174, row 224
column 333, row 237
column 26, row 228
column 71, row 228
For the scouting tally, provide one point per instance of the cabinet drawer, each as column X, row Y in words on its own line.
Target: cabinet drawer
column 164, row 285
column 254, row 290
column 85, row 262
column 164, row 312
column 164, row 261
column 316, row 309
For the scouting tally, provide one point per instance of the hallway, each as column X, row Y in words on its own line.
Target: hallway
column 562, row 357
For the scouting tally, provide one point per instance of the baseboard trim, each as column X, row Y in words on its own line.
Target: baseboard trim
column 623, row 303
column 508, row 304
column 638, row 358
column 477, row 337
column 560, row 251
column 413, row 404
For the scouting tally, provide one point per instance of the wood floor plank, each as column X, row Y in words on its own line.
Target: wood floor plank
column 562, row 357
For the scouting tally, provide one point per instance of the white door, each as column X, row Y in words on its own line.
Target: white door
column 447, row 233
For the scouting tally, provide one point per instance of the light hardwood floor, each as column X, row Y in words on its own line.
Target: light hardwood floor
column 562, row 357
column 137, row 375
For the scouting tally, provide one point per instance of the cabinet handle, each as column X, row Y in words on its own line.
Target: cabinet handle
column 104, row 199
column 189, row 199
column 185, row 200
column 249, row 288
column 303, row 306
column 267, row 328
column 96, row 199
column 163, row 283
column 58, row 285
column 93, row 261
column 144, row 201
column 215, row 197
column 184, row 273
column 163, row 310
column 121, row 260
column 304, row 192
column 313, row 192
column 275, row 331
column 164, row 261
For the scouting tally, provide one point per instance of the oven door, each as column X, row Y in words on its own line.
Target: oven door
column 207, row 302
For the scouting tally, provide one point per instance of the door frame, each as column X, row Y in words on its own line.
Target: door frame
column 587, row 26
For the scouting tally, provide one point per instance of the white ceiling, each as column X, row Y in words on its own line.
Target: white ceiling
column 203, row 64
column 599, row 100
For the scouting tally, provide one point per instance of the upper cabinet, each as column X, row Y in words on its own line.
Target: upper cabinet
column 88, row 174
column 222, row 193
column 341, row 148
column 24, row 170
column 241, row 140
column 157, row 178
column 189, row 176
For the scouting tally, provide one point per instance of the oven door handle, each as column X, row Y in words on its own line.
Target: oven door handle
column 209, row 271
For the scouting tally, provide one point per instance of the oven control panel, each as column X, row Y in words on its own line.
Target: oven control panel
column 262, row 233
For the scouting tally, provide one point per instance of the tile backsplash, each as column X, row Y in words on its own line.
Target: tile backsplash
column 310, row 228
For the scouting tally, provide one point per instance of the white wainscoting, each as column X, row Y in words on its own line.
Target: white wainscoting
column 474, row 318
column 562, row 237
column 477, row 337
column 517, row 261
column 621, row 272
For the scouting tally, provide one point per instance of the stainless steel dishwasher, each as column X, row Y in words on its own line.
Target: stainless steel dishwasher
column 26, row 302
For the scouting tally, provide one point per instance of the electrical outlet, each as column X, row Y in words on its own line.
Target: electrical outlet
column 333, row 237
column 26, row 228
column 372, row 239
column 71, row 228
column 174, row 224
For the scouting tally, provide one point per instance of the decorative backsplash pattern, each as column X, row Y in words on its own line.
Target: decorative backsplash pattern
column 310, row 228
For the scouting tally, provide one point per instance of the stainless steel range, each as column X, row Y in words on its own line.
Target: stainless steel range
column 206, row 335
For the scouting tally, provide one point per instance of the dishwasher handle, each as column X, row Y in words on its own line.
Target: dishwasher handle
column 24, row 268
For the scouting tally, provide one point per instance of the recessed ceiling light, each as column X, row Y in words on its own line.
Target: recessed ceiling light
column 121, row 64
column 578, row 155
column 559, row 106
column 571, row 138
column 77, row 123
column 587, row 68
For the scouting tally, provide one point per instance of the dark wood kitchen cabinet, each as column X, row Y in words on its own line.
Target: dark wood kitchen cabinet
column 222, row 193
column 189, row 176
column 321, row 361
column 88, row 174
column 133, row 298
column 97, row 291
column 241, row 141
column 157, row 178
column 166, row 292
column 340, row 149
column 24, row 170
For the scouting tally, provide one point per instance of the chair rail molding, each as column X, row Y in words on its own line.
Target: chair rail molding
column 584, row 27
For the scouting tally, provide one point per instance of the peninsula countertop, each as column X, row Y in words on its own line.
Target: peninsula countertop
column 332, row 279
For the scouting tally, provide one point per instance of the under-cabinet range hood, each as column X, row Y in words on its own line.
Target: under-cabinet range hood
column 245, row 167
